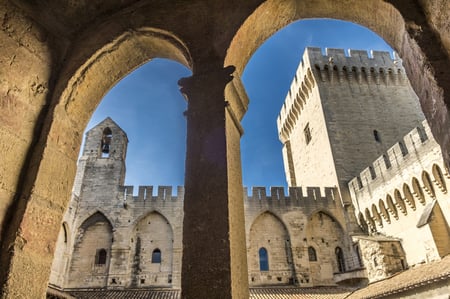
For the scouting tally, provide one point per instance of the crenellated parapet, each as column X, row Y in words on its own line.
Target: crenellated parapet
column 145, row 193
column 297, row 196
column 357, row 66
column 388, row 164
column 336, row 67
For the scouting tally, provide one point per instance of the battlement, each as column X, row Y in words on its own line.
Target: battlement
column 393, row 158
column 295, row 196
column 299, row 194
column 335, row 67
column 145, row 193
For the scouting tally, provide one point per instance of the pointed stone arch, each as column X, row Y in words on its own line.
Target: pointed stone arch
column 399, row 202
column 269, row 232
column 325, row 233
column 152, row 240
column 384, row 211
column 428, row 184
column 439, row 178
column 409, row 198
column 94, row 236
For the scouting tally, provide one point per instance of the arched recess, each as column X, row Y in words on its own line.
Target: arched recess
column 428, row 184
column 417, row 191
column 94, row 235
column 409, row 198
column 152, row 251
column 269, row 232
column 376, row 215
column 62, row 252
column 384, row 18
column 439, row 178
column 369, row 220
column 391, row 207
column 363, row 223
column 324, row 233
column 384, row 211
column 399, row 202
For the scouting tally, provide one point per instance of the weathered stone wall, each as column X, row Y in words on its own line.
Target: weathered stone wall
column 345, row 101
column 382, row 257
column 86, row 48
column 25, row 55
column 105, row 215
column 392, row 200
column 311, row 217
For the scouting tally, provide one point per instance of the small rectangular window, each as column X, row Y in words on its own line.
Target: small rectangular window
column 307, row 133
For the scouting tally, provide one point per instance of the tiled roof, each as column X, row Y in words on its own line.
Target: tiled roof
column 409, row 279
column 298, row 293
column 127, row 294
column 255, row 293
column 418, row 276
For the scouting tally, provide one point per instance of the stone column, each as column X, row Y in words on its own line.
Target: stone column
column 214, row 248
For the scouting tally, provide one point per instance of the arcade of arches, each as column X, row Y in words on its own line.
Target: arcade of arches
column 59, row 58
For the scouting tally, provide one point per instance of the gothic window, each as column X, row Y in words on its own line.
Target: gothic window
column 156, row 256
column 307, row 132
column 340, row 259
column 106, row 142
column 263, row 259
column 100, row 257
column 312, row 254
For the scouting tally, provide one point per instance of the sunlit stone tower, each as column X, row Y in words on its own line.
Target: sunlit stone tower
column 341, row 113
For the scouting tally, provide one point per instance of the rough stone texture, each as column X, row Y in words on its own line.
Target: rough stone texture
column 104, row 214
column 393, row 202
column 78, row 50
column 343, row 99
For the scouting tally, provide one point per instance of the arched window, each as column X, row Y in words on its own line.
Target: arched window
column 263, row 259
column 100, row 257
column 156, row 256
column 340, row 259
column 312, row 254
column 106, row 142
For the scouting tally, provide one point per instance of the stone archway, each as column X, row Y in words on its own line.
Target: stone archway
column 77, row 92
column 47, row 45
column 404, row 26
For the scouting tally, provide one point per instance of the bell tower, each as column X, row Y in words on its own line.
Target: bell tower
column 102, row 163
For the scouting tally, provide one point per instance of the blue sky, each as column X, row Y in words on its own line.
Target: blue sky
column 147, row 104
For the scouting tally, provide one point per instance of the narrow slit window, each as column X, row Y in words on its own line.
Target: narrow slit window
column 376, row 135
column 307, row 133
